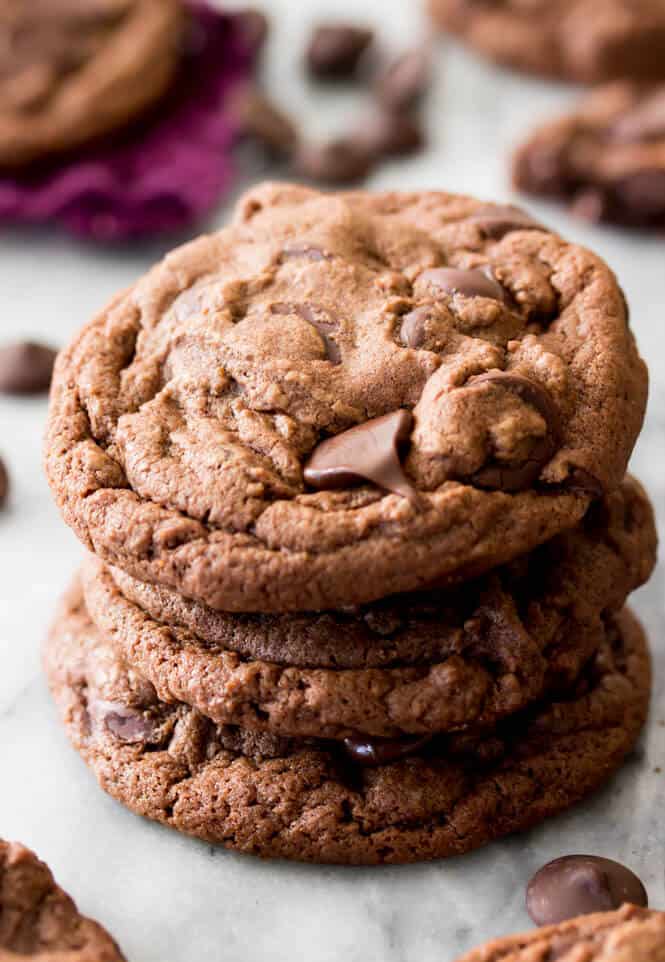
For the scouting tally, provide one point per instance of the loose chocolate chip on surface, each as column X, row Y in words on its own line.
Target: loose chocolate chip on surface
column 470, row 283
column 26, row 368
column 130, row 726
column 580, row 885
column 388, row 133
column 368, row 452
column 4, row 484
column 335, row 50
column 495, row 222
column 343, row 161
column 259, row 119
column 404, row 82
column 373, row 752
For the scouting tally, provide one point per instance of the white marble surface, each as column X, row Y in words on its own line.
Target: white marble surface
column 169, row 899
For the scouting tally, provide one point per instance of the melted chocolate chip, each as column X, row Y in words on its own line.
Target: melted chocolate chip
column 130, row 726
column 4, row 484
column 476, row 282
column 412, row 331
column 643, row 123
column 517, row 477
column 373, row 752
column 580, row 885
column 26, row 368
column 368, row 452
column 405, row 81
column 343, row 161
column 335, row 50
column 496, row 222
column 320, row 319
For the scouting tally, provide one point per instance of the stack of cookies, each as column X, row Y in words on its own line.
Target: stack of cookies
column 351, row 473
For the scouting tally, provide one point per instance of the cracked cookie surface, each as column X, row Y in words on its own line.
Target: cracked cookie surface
column 584, row 41
column 74, row 70
column 419, row 664
column 305, row 801
column 483, row 386
column 606, row 158
column 40, row 921
column 631, row 933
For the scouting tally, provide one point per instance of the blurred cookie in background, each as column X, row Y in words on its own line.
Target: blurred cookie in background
column 605, row 159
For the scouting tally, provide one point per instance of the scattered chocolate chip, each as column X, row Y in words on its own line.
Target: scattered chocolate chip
column 477, row 282
column 4, row 484
column 130, row 726
column 26, row 368
column 580, row 885
column 404, row 82
column 642, row 193
column 388, row 133
column 412, row 331
column 590, row 204
column 496, row 222
column 497, row 476
column 368, row 452
column 335, row 50
column 254, row 28
column 643, row 123
column 343, row 161
column 373, row 752
column 320, row 319
column 258, row 118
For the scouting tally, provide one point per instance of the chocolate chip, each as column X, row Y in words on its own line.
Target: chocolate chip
column 476, row 282
column 580, row 885
column 130, row 726
column 320, row 319
column 373, row 752
column 368, row 452
column 643, row 123
column 258, row 118
column 498, row 476
column 335, row 50
column 642, row 194
column 404, row 82
column 343, row 161
column 26, row 368
column 413, row 329
column 496, row 222
column 388, row 133
column 4, row 484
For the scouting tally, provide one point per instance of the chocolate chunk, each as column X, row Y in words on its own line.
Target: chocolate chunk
column 373, row 752
column 335, row 50
column 258, row 118
column 130, row 726
column 388, row 133
column 580, row 885
column 404, row 82
column 642, row 195
column 644, row 123
column 320, row 319
column 368, row 452
column 343, row 161
column 413, row 331
column 26, row 368
column 4, row 484
column 517, row 477
column 496, row 222
column 476, row 282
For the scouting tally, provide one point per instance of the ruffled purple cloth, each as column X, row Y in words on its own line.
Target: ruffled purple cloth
column 170, row 171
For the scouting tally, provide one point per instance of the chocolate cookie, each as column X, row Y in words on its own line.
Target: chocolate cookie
column 342, row 397
column 308, row 801
column 631, row 933
column 585, row 41
column 466, row 658
column 74, row 70
column 39, row 921
column 606, row 158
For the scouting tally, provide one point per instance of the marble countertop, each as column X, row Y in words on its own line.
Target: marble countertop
column 170, row 899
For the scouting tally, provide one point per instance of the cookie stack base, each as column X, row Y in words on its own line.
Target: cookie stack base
column 304, row 800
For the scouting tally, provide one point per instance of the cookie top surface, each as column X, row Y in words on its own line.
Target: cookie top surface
column 342, row 397
column 585, row 41
column 418, row 664
column 630, row 934
column 73, row 70
column 305, row 802
column 607, row 157
column 39, row 921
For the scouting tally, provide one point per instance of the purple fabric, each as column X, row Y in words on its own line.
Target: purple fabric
column 172, row 168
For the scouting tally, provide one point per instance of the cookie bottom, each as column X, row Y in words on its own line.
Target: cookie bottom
column 306, row 801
